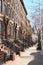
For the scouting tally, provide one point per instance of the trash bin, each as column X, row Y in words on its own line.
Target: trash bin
column 12, row 56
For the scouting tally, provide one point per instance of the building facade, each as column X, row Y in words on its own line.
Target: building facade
column 15, row 29
column 14, row 16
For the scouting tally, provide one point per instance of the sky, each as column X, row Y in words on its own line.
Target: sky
column 32, row 8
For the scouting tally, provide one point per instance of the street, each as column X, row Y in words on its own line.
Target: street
column 30, row 57
column 21, row 32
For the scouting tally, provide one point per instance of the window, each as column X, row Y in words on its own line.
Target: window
column 42, row 37
column 12, row 14
column 6, row 10
column 9, row 30
column 0, row 5
column 0, row 27
column 9, row 1
column 42, row 29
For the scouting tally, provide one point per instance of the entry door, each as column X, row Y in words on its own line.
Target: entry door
column 5, row 31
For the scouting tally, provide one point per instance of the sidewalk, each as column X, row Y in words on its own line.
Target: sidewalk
column 30, row 57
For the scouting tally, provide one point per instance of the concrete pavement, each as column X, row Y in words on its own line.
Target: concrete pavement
column 30, row 57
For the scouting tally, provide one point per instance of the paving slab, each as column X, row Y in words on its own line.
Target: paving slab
column 30, row 57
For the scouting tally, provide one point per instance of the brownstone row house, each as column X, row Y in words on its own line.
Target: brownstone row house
column 13, row 14
column 13, row 22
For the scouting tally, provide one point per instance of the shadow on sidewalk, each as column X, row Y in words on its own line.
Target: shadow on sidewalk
column 38, row 59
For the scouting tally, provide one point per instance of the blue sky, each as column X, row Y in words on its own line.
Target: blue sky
column 31, row 7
